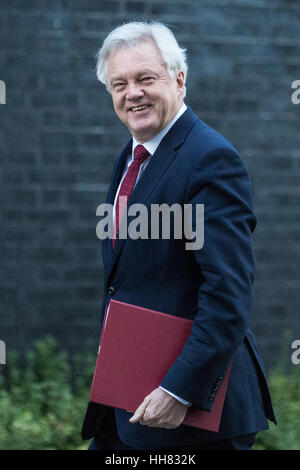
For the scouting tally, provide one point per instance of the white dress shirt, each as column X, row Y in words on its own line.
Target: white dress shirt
column 151, row 146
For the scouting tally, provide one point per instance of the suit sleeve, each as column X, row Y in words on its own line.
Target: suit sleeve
column 221, row 182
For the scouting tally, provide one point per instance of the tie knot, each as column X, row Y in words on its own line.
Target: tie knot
column 140, row 153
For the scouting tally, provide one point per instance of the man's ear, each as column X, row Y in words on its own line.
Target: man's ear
column 180, row 79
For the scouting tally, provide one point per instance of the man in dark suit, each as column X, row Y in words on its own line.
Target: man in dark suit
column 175, row 158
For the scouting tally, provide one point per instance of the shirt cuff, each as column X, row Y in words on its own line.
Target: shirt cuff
column 184, row 402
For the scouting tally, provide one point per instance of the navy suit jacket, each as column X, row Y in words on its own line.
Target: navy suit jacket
column 212, row 286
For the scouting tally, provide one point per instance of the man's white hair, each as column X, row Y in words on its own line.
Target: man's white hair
column 131, row 34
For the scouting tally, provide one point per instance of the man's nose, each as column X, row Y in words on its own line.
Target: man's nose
column 134, row 91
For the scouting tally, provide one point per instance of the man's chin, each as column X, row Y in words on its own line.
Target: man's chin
column 143, row 133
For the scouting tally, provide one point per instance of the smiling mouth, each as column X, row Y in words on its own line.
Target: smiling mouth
column 137, row 109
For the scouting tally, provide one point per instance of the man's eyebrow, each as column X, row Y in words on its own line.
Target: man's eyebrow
column 147, row 71
column 116, row 78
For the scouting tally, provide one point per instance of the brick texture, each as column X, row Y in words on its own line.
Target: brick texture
column 59, row 138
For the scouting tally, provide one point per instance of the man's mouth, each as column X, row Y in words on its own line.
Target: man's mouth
column 137, row 109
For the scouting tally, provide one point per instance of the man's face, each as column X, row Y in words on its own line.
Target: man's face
column 145, row 98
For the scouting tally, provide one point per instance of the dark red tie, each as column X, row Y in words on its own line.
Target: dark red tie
column 128, row 183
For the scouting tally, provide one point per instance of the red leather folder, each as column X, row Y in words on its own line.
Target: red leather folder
column 137, row 347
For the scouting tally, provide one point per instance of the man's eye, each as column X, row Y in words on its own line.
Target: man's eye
column 147, row 79
column 118, row 86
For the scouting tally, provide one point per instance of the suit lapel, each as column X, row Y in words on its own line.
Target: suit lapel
column 117, row 172
column 107, row 251
column 154, row 171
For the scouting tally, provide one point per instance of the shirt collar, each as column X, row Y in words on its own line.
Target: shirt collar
column 153, row 143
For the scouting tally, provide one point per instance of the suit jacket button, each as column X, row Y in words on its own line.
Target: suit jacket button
column 111, row 290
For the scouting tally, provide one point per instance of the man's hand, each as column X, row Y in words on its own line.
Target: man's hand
column 161, row 410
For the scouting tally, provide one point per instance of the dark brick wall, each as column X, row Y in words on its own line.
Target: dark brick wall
column 59, row 137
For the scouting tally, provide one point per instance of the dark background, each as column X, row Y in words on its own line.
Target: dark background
column 59, row 137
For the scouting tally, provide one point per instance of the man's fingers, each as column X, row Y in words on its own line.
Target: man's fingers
column 161, row 410
column 139, row 412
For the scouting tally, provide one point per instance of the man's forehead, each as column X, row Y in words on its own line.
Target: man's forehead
column 136, row 54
